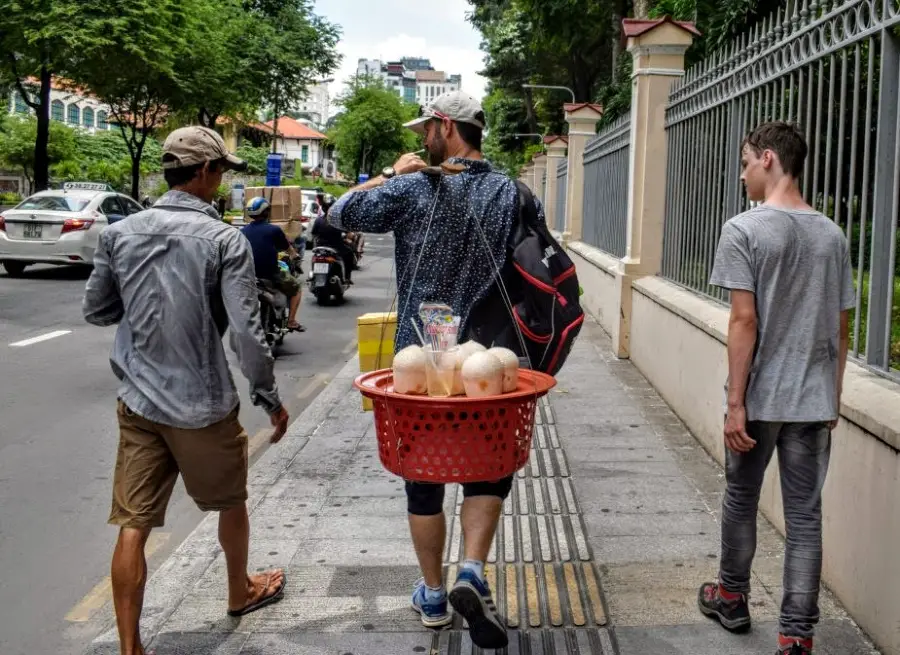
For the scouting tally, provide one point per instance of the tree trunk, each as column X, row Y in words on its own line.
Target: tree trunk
column 136, row 167
column 275, row 126
column 641, row 8
column 529, row 112
column 41, row 156
column 619, row 9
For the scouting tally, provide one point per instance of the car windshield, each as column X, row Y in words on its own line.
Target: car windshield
column 55, row 203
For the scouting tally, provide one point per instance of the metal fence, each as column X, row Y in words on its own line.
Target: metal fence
column 834, row 69
column 606, row 169
column 562, row 178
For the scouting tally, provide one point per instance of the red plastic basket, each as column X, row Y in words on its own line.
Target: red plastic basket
column 459, row 439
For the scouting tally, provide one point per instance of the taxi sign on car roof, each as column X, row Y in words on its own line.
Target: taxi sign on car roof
column 86, row 186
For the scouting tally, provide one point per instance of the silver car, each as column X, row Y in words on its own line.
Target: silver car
column 60, row 226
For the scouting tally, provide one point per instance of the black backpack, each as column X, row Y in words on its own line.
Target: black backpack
column 541, row 284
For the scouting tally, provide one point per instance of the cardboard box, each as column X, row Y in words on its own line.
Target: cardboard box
column 375, row 334
column 287, row 206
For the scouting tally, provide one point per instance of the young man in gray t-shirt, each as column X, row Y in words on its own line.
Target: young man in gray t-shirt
column 788, row 269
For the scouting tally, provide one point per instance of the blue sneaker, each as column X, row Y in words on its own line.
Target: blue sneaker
column 471, row 598
column 434, row 613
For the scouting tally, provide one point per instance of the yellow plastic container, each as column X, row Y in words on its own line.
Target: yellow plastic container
column 375, row 339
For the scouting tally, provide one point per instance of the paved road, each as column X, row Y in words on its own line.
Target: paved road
column 58, row 438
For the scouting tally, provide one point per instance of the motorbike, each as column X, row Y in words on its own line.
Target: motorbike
column 327, row 277
column 274, row 305
column 357, row 242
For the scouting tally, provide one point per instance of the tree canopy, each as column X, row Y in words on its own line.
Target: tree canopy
column 580, row 46
column 369, row 133
column 17, row 137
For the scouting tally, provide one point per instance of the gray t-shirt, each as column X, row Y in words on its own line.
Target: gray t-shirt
column 797, row 263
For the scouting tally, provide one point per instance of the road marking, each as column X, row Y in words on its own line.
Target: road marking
column 38, row 339
column 257, row 440
column 97, row 597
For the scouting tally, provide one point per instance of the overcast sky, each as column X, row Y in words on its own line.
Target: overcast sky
column 390, row 29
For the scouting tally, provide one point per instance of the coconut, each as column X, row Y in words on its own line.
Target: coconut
column 482, row 375
column 409, row 371
column 470, row 348
column 510, row 362
column 459, row 356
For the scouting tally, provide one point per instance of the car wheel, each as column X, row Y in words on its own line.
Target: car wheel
column 14, row 269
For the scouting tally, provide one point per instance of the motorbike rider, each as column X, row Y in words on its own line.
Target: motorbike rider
column 266, row 241
column 327, row 235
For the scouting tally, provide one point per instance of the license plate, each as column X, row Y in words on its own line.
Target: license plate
column 320, row 268
column 33, row 230
column 319, row 281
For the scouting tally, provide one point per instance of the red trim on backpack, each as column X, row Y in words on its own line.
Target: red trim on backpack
column 543, row 286
column 526, row 331
column 561, row 299
column 565, row 275
column 562, row 340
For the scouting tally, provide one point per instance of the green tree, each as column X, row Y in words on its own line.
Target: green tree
column 296, row 47
column 35, row 45
column 133, row 68
column 17, row 138
column 369, row 133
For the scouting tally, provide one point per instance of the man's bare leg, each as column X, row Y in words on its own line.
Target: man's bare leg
column 129, row 576
column 479, row 516
column 234, row 536
column 293, row 308
column 428, row 535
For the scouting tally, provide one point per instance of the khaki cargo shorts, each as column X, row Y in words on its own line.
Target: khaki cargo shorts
column 212, row 461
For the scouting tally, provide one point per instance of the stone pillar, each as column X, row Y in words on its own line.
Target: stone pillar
column 528, row 172
column 657, row 48
column 556, row 152
column 582, row 119
column 540, row 167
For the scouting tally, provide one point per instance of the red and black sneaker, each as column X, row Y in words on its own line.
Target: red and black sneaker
column 794, row 646
column 731, row 609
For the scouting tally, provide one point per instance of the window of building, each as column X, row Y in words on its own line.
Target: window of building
column 102, row 120
column 58, row 111
column 21, row 107
column 74, row 114
column 304, row 154
column 88, row 117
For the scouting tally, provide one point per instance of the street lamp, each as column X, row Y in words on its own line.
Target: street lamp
column 521, row 134
column 549, row 86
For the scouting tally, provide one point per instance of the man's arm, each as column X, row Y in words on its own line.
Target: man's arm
column 102, row 304
column 375, row 206
column 239, row 296
column 843, row 349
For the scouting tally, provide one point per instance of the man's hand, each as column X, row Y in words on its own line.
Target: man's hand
column 409, row 163
column 736, row 438
column 280, row 423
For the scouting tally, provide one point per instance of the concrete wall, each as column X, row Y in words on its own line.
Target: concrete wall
column 678, row 342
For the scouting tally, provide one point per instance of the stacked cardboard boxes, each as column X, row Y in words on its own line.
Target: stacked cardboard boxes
column 287, row 206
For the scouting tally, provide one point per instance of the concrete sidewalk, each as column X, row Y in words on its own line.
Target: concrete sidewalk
column 609, row 531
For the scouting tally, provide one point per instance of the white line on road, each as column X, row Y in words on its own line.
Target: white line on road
column 43, row 337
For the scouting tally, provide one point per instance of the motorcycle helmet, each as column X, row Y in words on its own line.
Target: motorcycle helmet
column 258, row 208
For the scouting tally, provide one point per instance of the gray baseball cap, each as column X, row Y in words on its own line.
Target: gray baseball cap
column 455, row 105
column 189, row 146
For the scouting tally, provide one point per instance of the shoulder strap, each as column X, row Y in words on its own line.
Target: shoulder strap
column 527, row 207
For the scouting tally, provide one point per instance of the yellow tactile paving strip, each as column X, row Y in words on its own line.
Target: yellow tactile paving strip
column 540, row 567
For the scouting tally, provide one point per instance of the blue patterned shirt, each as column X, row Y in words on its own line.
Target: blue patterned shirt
column 451, row 258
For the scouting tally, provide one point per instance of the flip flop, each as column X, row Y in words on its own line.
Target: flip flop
column 263, row 602
column 299, row 328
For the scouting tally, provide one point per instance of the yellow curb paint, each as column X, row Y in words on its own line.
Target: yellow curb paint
column 531, row 594
column 97, row 597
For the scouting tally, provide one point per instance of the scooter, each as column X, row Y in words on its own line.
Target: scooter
column 274, row 306
column 327, row 277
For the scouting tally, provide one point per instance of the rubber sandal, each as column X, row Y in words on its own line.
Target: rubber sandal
column 263, row 602
column 299, row 328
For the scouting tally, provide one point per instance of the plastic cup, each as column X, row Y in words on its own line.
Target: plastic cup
column 440, row 367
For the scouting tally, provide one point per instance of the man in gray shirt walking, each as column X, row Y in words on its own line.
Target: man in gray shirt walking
column 173, row 278
column 788, row 269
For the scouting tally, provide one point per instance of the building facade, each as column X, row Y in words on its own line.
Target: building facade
column 74, row 108
column 431, row 83
column 316, row 105
column 412, row 78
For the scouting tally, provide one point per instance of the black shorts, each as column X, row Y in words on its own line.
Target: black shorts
column 427, row 499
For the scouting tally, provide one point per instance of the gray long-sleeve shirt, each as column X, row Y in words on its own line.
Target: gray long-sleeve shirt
column 175, row 278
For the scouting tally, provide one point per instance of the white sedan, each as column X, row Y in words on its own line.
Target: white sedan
column 60, row 226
